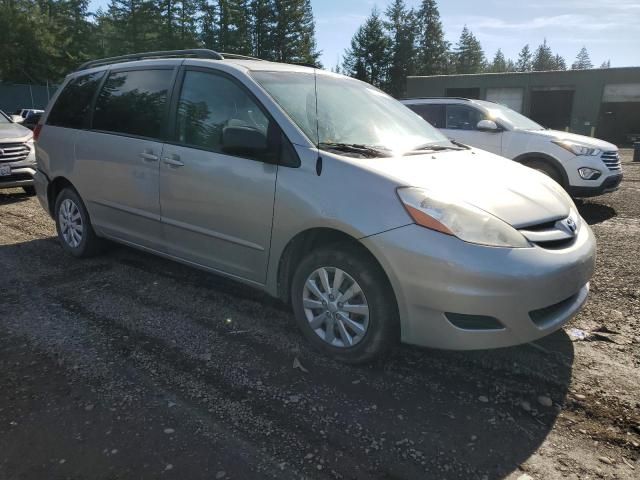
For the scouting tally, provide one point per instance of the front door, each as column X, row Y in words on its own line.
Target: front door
column 217, row 206
column 461, row 126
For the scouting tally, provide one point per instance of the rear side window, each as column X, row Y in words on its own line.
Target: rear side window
column 72, row 107
column 134, row 103
column 434, row 114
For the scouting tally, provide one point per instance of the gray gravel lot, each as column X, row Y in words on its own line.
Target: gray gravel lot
column 131, row 366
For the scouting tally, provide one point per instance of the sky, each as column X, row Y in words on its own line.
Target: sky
column 610, row 29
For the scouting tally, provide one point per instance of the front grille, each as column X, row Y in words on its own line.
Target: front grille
column 612, row 161
column 13, row 152
column 553, row 235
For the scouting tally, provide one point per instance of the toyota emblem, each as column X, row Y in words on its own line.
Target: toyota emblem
column 571, row 225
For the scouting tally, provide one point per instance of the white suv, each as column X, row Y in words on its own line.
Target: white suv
column 584, row 166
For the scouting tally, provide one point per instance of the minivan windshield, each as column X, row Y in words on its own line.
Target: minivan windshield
column 515, row 119
column 349, row 115
column 4, row 118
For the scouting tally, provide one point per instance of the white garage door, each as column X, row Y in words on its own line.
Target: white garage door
column 510, row 97
column 621, row 92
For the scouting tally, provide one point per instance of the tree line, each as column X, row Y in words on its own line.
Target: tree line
column 404, row 41
column 42, row 40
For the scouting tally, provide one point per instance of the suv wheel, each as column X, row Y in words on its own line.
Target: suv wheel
column 344, row 305
column 73, row 225
column 549, row 170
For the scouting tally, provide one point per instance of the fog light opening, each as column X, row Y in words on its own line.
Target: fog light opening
column 587, row 173
column 473, row 322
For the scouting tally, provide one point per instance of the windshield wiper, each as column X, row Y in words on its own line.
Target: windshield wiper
column 430, row 147
column 364, row 150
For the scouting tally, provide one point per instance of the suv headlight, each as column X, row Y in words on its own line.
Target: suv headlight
column 460, row 219
column 577, row 148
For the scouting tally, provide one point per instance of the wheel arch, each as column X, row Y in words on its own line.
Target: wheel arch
column 526, row 158
column 311, row 239
column 55, row 187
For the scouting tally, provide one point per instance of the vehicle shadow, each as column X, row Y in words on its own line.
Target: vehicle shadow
column 422, row 413
column 13, row 196
column 595, row 213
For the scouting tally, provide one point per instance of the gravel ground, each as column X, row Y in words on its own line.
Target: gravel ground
column 131, row 366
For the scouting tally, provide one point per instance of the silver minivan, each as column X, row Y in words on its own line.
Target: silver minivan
column 321, row 190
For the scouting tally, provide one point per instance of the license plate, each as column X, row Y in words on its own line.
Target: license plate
column 5, row 170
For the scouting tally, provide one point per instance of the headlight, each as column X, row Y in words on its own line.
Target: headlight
column 587, row 173
column 460, row 219
column 577, row 148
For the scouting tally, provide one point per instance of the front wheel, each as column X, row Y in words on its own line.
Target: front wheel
column 549, row 170
column 74, row 226
column 344, row 304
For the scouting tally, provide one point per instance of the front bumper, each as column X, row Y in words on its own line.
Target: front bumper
column 531, row 292
column 21, row 176
column 610, row 184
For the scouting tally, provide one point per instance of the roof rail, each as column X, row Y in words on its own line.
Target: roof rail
column 440, row 98
column 195, row 52
column 237, row 56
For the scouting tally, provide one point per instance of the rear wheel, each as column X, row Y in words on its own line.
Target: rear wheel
column 74, row 226
column 344, row 304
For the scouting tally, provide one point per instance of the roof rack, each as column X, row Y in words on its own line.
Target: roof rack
column 439, row 98
column 237, row 56
column 195, row 52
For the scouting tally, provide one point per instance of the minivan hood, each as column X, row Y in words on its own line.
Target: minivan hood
column 12, row 132
column 516, row 194
column 574, row 137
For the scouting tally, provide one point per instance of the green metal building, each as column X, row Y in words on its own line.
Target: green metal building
column 601, row 102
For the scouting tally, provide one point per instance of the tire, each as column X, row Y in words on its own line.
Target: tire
column 548, row 169
column 69, row 209
column 29, row 190
column 381, row 325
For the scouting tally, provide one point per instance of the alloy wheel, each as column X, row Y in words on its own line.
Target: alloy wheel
column 70, row 221
column 335, row 307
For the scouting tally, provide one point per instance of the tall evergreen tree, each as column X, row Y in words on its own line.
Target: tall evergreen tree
column 469, row 54
column 135, row 26
column 233, row 31
column 583, row 62
column 262, row 24
column 524, row 59
column 543, row 59
column 606, row 64
column 368, row 57
column 208, row 24
column 499, row 63
column 559, row 63
column 401, row 26
column 432, row 48
column 294, row 35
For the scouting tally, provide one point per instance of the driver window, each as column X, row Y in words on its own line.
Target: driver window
column 209, row 103
column 462, row 117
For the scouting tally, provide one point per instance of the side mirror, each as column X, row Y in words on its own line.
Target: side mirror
column 244, row 140
column 487, row 126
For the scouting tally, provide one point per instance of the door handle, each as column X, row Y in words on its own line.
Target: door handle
column 173, row 161
column 149, row 157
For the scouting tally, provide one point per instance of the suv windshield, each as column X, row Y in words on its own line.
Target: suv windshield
column 515, row 119
column 352, row 116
